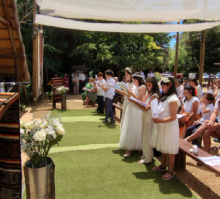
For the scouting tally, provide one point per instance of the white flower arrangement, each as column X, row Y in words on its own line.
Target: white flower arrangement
column 37, row 138
column 62, row 90
column 165, row 79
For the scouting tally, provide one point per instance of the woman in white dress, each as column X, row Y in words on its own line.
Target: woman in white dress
column 165, row 137
column 128, row 75
column 210, row 86
column 147, row 122
column 132, row 123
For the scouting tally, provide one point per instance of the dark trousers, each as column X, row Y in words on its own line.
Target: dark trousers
column 108, row 109
column 100, row 101
column 192, row 129
column 81, row 85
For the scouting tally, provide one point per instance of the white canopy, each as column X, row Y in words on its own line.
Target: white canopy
column 120, row 27
column 133, row 10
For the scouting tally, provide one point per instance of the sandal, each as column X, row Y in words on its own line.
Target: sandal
column 142, row 161
column 142, row 157
column 168, row 175
column 159, row 168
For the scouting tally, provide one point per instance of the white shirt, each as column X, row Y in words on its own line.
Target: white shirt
column 142, row 74
column 218, row 96
column 199, row 91
column 101, row 92
column 217, row 106
column 150, row 75
column 111, row 91
column 206, row 116
column 180, row 90
column 188, row 105
column 82, row 76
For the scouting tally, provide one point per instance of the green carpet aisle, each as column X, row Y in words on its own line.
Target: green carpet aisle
column 89, row 164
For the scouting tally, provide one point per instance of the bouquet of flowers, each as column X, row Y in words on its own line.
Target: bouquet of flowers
column 62, row 90
column 37, row 138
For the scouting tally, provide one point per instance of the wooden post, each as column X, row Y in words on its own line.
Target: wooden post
column 17, row 87
column 176, row 55
column 202, row 57
column 35, row 58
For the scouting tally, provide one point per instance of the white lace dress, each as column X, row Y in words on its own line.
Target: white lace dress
column 125, row 103
column 132, row 126
column 147, row 126
column 165, row 136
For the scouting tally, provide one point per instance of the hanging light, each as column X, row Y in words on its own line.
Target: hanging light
column 199, row 36
column 35, row 32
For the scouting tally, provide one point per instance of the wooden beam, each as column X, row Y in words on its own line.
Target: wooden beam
column 4, row 21
column 9, row 27
column 17, row 87
column 176, row 55
column 202, row 57
column 35, row 58
column 10, row 56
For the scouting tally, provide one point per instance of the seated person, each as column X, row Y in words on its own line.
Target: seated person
column 88, row 86
column 179, row 89
column 92, row 93
column 209, row 129
column 207, row 110
column 190, row 109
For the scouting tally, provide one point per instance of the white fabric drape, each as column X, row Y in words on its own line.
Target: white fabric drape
column 119, row 27
column 133, row 10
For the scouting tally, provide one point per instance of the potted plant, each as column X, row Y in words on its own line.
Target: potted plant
column 62, row 90
column 37, row 138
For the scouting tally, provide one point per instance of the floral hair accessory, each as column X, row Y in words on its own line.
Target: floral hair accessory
column 165, row 80
column 128, row 70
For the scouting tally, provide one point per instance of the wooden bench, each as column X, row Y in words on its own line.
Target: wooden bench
column 119, row 108
column 57, row 82
column 184, row 149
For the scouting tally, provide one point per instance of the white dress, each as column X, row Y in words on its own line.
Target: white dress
column 165, row 136
column 125, row 103
column 132, row 126
column 147, row 127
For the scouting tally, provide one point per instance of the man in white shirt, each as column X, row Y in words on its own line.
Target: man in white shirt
column 179, row 89
column 100, row 93
column 142, row 73
column 207, row 110
column 150, row 74
column 82, row 78
column 109, row 94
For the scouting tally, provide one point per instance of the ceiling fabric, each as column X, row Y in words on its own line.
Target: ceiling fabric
column 121, row 27
column 133, row 10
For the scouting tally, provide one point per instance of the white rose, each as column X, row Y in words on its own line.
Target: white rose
column 22, row 123
column 40, row 136
column 21, row 131
column 50, row 130
column 44, row 125
column 60, row 130
column 29, row 125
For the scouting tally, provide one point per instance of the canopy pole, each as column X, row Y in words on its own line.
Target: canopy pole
column 35, row 57
column 202, row 57
column 176, row 55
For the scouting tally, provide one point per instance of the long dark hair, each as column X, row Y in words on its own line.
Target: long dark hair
column 171, row 91
column 140, row 78
column 130, row 71
column 191, row 89
column 155, row 87
column 194, row 80
column 212, row 87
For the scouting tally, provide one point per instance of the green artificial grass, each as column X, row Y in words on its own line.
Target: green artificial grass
column 90, row 165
